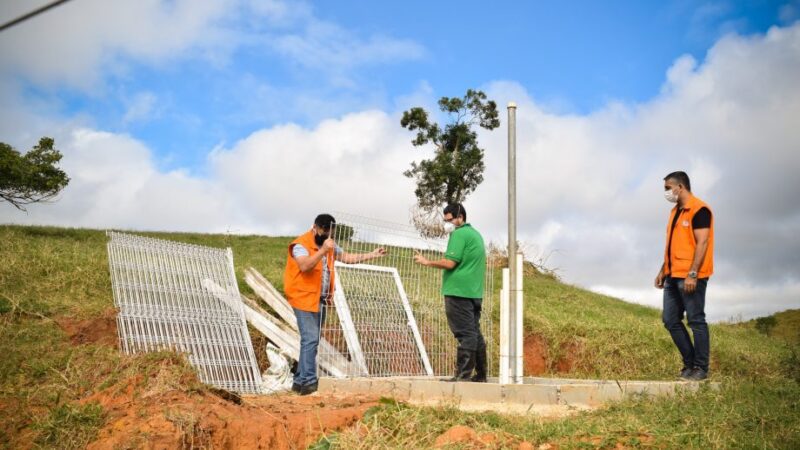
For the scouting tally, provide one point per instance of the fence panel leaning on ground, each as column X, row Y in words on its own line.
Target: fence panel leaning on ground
column 388, row 317
column 182, row 297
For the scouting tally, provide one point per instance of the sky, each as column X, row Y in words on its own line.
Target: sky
column 248, row 116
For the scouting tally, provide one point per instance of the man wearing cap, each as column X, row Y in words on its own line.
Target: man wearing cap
column 308, row 282
column 688, row 264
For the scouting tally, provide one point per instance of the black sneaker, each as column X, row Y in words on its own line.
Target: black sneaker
column 296, row 388
column 698, row 374
column 686, row 373
column 309, row 388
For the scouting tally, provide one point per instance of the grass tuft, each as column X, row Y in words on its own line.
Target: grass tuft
column 70, row 426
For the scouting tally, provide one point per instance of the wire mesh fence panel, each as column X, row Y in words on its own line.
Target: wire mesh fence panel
column 421, row 286
column 182, row 297
column 377, row 322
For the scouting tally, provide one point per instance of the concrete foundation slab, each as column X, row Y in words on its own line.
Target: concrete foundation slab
column 541, row 396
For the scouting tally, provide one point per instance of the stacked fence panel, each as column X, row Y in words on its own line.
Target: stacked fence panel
column 181, row 297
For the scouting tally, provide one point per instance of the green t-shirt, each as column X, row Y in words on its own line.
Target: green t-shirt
column 466, row 248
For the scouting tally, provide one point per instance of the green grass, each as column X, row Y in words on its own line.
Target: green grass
column 784, row 325
column 614, row 339
column 51, row 274
column 741, row 414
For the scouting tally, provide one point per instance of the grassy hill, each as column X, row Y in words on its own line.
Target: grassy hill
column 784, row 325
column 55, row 300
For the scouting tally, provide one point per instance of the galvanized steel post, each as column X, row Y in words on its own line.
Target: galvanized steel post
column 512, row 241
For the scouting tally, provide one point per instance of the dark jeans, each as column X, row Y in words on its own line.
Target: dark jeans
column 463, row 317
column 308, row 324
column 676, row 302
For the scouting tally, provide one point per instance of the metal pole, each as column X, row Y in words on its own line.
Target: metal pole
column 512, row 236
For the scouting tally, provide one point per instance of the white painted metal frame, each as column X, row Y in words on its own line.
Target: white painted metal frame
column 511, row 334
column 174, row 296
column 348, row 325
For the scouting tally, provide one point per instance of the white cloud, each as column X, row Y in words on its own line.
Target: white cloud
column 289, row 174
column 141, row 107
column 730, row 122
column 77, row 43
column 324, row 45
column 115, row 184
column 724, row 302
column 590, row 186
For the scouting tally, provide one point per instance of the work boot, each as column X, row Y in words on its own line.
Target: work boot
column 309, row 388
column 480, row 366
column 465, row 363
column 698, row 374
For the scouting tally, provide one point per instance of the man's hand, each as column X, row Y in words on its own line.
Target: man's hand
column 328, row 245
column 419, row 259
column 660, row 280
column 689, row 285
column 378, row 252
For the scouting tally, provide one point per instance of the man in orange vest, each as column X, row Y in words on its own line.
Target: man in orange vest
column 688, row 264
column 308, row 282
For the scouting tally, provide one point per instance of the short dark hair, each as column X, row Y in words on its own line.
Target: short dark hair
column 456, row 209
column 680, row 178
column 325, row 221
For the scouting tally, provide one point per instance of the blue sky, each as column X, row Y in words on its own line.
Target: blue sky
column 570, row 56
column 252, row 116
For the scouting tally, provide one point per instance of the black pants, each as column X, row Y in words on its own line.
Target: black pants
column 463, row 317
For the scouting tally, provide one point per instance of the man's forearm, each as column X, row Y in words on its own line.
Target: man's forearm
column 443, row 263
column 355, row 258
column 699, row 255
column 309, row 262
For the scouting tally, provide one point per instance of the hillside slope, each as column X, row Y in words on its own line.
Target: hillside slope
column 61, row 375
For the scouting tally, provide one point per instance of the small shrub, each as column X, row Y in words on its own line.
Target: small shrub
column 765, row 324
column 791, row 364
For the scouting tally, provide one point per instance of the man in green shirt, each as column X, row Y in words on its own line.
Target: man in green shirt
column 464, row 266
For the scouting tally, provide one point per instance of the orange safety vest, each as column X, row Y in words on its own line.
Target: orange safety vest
column 303, row 289
column 678, row 258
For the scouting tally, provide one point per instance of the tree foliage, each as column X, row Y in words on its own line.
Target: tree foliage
column 456, row 168
column 765, row 324
column 33, row 177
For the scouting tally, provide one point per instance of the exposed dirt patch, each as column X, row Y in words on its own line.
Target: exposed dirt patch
column 534, row 355
column 538, row 360
column 465, row 437
column 180, row 419
column 98, row 330
column 458, row 434
column 570, row 355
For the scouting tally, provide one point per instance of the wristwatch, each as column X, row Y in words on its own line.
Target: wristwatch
column 693, row 274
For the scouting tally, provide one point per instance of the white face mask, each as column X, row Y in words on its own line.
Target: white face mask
column 449, row 227
column 671, row 196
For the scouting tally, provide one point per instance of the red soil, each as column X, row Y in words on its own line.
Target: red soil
column 179, row 419
column 97, row 330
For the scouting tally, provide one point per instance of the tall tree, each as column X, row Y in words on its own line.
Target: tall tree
column 32, row 177
column 456, row 169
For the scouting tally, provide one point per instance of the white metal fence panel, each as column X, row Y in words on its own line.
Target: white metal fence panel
column 185, row 298
column 421, row 287
column 377, row 322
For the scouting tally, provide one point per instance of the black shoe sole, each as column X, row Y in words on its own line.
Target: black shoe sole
column 309, row 389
